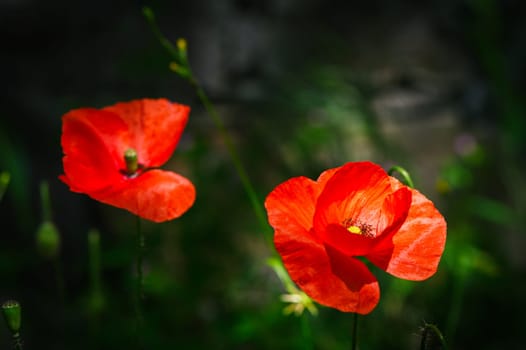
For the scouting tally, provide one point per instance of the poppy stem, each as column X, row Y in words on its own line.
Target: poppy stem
column 354, row 339
column 49, row 240
column 96, row 298
column 404, row 173
column 139, row 282
column 306, row 332
column 45, row 201
column 181, row 66
column 242, row 173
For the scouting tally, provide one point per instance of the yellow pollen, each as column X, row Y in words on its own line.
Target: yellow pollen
column 355, row 230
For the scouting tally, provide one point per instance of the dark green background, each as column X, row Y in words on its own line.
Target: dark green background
column 436, row 86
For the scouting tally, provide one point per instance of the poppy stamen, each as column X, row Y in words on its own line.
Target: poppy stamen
column 132, row 163
column 359, row 228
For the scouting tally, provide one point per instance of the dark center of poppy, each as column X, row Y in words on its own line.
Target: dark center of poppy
column 358, row 228
column 132, row 163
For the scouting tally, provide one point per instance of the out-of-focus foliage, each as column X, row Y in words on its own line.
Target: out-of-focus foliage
column 302, row 86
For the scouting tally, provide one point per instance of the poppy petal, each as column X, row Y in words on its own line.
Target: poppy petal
column 328, row 278
column 420, row 241
column 155, row 195
column 396, row 207
column 290, row 206
column 356, row 191
column 155, row 127
column 360, row 281
column 89, row 160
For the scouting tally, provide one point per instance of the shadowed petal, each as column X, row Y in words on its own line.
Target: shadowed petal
column 359, row 280
column 155, row 195
column 90, row 160
column 339, row 282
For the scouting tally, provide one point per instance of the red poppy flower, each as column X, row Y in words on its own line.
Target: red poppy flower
column 323, row 229
column 94, row 142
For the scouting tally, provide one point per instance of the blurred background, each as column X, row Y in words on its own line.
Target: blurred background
column 302, row 85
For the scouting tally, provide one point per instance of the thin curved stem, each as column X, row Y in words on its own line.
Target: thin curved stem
column 139, row 282
column 178, row 54
column 45, row 201
column 306, row 332
column 354, row 339
column 242, row 173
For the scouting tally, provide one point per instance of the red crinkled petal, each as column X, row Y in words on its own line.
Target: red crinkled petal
column 94, row 142
column 419, row 243
column 357, row 192
column 90, row 164
column 290, row 205
column 154, row 195
column 154, row 126
column 328, row 278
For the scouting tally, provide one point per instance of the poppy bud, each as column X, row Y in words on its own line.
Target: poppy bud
column 12, row 314
column 48, row 240
column 4, row 181
column 179, row 69
column 181, row 45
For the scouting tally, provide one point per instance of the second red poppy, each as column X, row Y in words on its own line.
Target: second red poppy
column 112, row 155
column 323, row 228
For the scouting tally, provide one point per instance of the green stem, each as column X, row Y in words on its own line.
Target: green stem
column 404, row 173
column 180, row 59
column 306, row 332
column 139, row 282
column 455, row 307
column 96, row 298
column 354, row 339
column 150, row 17
column 242, row 173
column 45, row 201
column 94, row 266
column 47, row 217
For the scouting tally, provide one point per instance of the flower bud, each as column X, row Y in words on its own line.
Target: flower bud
column 48, row 240
column 179, row 69
column 13, row 315
column 4, row 181
column 181, row 44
